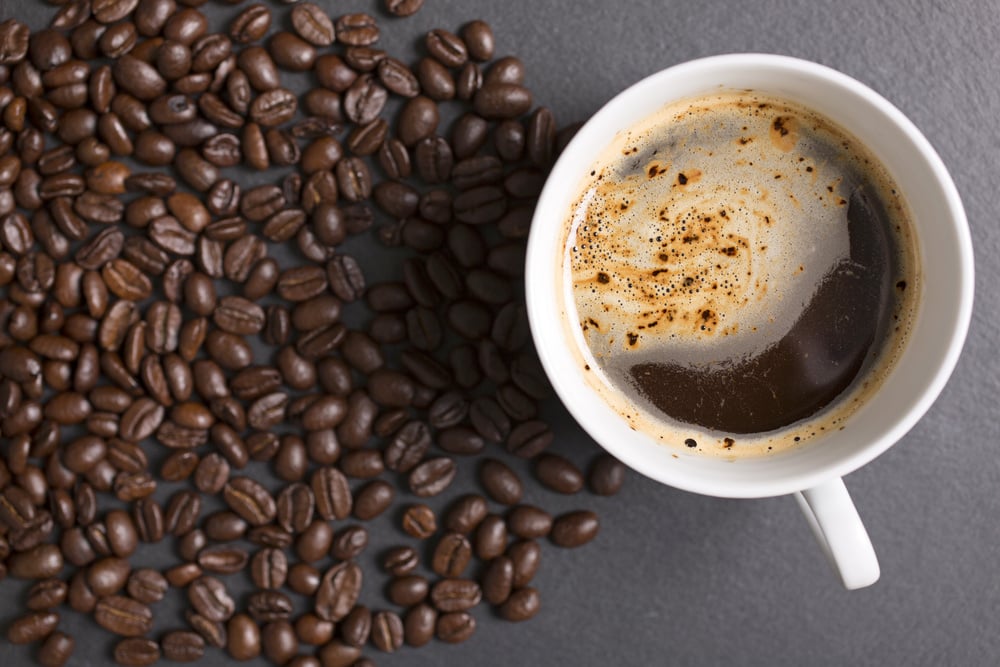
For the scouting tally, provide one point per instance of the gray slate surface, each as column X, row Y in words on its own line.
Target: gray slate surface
column 675, row 578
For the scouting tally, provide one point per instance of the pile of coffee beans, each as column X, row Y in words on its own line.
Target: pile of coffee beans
column 191, row 358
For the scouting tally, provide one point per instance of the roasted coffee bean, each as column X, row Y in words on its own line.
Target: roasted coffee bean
column 47, row 594
column 354, row 179
column 403, row 7
column 250, row 500
column 251, row 24
column 434, row 159
column 446, row 48
column 108, row 575
column 356, row 627
column 210, row 598
column 498, row 580
column 32, row 627
column 182, row 646
column 242, row 637
column 432, row 476
column 479, row 40
column 123, row 616
column 312, row 24
column 460, row 440
column 373, row 499
column 466, row 514
column 338, row 591
column 303, row 578
column 364, row 100
column 387, row 631
column 558, row 474
column 606, row 476
column 222, row 559
column 146, row 585
column 435, row 80
column 394, row 159
column 419, row 521
column 56, row 650
column 268, row 606
column 521, row 605
column 357, row 30
column 332, row 493
column 529, row 439
column 491, row 537
column 451, row 555
column 574, row 529
column 450, row 595
column 407, row 590
column 448, row 410
column 455, row 627
column 43, row 561
column 468, row 135
column 291, row 52
column 349, row 543
column 213, row 632
column 500, row 482
column 136, row 652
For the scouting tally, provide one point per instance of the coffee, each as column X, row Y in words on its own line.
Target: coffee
column 743, row 271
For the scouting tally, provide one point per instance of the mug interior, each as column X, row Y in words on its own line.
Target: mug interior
column 944, row 252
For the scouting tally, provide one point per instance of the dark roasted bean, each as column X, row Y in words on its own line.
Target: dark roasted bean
column 558, row 474
column 387, row 631
column 455, row 627
column 500, row 482
column 574, row 528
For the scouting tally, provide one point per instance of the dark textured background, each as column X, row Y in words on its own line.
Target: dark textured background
column 675, row 578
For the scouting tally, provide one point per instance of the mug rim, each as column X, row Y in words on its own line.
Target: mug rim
column 543, row 303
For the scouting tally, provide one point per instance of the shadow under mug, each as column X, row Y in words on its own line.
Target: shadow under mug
column 813, row 471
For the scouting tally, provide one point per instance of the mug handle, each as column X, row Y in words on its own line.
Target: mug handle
column 834, row 521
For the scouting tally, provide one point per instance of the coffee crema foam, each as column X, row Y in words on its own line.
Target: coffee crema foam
column 702, row 234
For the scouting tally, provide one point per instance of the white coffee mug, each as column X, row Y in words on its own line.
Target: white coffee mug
column 813, row 471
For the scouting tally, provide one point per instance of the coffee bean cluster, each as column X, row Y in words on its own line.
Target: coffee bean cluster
column 140, row 282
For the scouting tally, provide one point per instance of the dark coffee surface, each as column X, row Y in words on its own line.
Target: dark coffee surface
column 811, row 365
column 675, row 578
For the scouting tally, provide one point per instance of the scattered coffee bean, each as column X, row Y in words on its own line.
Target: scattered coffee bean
column 574, row 529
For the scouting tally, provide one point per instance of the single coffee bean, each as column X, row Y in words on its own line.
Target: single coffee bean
column 357, row 29
column 521, row 605
column 136, row 652
column 313, row 630
column 407, row 590
column 398, row 78
column 242, row 637
column 213, row 632
column 291, row 52
column 529, row 439
column 419, row 521
column 446, row 48
column 498, row 580
column 434, row 159
column 455, row 627
column 460, row 440
column 373, row 499
column 387, row 631
column 526, row 556
column 210, row 598
column 558, row 474
column 432, row 476
column 529, row 522
column 32, row 627
column 364, row 100
column 479, row 40
column 606, row 476
column 250, row 500
column 501, row 483
column 450, row 595
column 147, row 586
column 403, row 7
column 123, row 616
column 56, row 650
column 400, row 561
column 312, row 24
column 466, row 514
column 574, row 529
column 338, row 591
column 491, row 537
column 182, row 646
column 332, row 493
column 47, row 594
column 451, row 555
column 349, row 543
column 356, row 627
column 435, row 80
